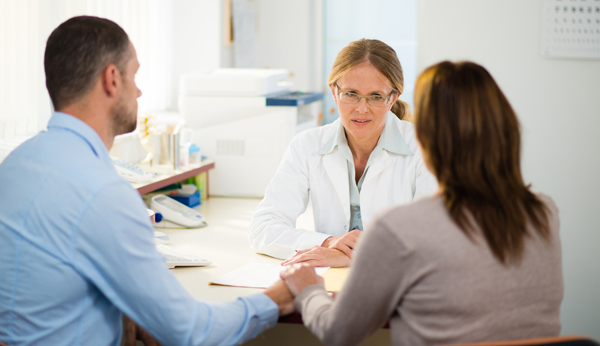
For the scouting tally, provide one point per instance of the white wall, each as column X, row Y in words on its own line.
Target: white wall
column 558, row 104
column 391, row 21
column 197, row 40
column 289, row 35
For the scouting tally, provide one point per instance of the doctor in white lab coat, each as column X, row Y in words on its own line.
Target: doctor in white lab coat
column 352, row 169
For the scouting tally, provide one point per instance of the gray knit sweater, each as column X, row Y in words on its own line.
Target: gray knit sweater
column 416, row 268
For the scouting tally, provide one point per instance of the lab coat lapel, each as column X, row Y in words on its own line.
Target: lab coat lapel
column 336, row 167
column 379, row 164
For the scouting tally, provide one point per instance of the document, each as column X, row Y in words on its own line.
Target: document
column 255, row 275
column 335, row 278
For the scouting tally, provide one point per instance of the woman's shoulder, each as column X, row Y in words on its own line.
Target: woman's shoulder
column 551, row 210
column 413, row 216
column 547, row 200
column 415, row 227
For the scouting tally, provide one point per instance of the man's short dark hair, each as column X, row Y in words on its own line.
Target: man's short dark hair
column 77, row 52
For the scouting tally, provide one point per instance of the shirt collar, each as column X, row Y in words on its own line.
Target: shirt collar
column 334, row 141
column 80, row 128
column 391, row 139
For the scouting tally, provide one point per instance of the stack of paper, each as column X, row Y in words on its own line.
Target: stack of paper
column 255, row 275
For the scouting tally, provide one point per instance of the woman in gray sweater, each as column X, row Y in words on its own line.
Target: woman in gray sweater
column 480, row 261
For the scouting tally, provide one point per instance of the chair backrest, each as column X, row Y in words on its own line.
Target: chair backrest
column 569, row 340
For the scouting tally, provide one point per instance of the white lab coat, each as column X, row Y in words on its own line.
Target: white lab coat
column 391, row 179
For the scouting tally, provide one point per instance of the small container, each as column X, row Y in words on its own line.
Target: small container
column 184, row 155
column 169, row 150
column 195, row 156
column 189, row 200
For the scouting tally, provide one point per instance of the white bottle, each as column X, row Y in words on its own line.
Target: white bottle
column 184, row 155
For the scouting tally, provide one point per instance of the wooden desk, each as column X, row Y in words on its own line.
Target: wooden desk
column 167, row 177
column 225, row 242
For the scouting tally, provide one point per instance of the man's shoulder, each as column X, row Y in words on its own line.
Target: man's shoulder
column 414, row 217
column 67, row 159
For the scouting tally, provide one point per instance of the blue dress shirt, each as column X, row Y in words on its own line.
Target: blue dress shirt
column 77, row 251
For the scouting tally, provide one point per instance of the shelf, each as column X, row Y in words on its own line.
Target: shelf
column 168, row 178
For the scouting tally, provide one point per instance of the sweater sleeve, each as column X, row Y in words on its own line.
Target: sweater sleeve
column 374, row 288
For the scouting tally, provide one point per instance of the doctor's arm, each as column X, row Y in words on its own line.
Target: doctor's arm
column 425, row 182
column 334, row 252
column 273, row 229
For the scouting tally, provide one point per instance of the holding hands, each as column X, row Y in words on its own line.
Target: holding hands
column 300, row 272
column 299, row 276
column 282, row 296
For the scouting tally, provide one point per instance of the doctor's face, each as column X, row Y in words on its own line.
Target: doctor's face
column 363, row 121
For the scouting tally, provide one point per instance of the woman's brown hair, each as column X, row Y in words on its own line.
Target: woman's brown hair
column 471, row 142
column 383, row 58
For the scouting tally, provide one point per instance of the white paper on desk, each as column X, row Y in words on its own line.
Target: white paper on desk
column 255, row 275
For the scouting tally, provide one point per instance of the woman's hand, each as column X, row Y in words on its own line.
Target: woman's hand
column 282, row 296
column 318, row 256
column 345, row 243
column 299, row 276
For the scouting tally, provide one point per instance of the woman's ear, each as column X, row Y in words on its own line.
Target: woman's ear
column 393, row 99
column 335, row 99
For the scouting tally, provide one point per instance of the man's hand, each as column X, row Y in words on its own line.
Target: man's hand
column 319, row 256
column 299, row 276
column 345, row 243
column 133, row 333
column 282, row 296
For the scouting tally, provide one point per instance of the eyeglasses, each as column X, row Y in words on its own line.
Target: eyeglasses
column 373, row 100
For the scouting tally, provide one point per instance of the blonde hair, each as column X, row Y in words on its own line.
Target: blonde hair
column 383, row 58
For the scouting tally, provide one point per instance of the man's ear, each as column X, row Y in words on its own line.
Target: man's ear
column 111, row 80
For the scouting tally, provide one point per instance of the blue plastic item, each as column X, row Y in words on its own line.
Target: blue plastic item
column 295, row 99
column 189, row 200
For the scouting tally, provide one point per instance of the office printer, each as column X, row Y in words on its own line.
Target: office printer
column 245, row 119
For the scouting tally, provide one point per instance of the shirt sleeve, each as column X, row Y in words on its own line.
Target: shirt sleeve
column 370, row 294
column 273, row 229
column 115, row 251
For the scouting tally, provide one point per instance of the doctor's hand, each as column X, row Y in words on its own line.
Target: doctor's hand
column 319, row 256
column 299, row 276
column 344, row 243
column 281, row 295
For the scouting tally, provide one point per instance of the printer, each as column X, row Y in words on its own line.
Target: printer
column 244, row 119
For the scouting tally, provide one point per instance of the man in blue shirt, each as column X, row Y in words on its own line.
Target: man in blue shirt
column 77, row 243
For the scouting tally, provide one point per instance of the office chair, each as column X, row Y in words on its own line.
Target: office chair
column 570, row 340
